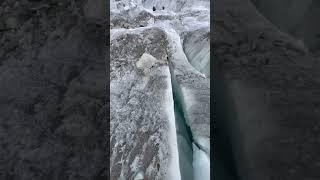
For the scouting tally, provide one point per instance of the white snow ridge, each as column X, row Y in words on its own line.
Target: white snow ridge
column 159, row 90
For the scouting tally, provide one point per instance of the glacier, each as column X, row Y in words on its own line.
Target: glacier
column 160, row 89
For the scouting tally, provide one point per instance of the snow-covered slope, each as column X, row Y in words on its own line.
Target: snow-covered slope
column 160, row 103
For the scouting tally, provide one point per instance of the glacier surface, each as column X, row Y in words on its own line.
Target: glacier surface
column 160, row 101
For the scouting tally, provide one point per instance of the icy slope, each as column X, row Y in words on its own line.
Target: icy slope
column 192, row 89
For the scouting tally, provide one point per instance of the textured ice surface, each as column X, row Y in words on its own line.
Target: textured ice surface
column 168, row 5
column 149, row 73
column 191, row 88
column 142, row 117
column 197, row 48
column 139, row 176
column 201, row 164
column 184, row 145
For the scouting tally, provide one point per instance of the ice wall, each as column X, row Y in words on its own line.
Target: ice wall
column 196, row 46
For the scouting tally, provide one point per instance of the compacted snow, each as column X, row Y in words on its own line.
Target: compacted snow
column 160, row 101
